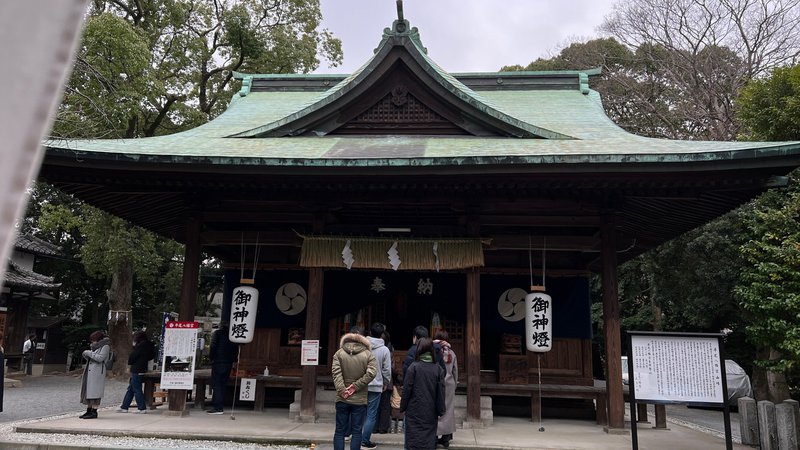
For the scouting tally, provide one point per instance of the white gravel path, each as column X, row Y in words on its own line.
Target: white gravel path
column 56, row 396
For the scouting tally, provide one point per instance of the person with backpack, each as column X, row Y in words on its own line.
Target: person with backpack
column 143, row 351
column 93, row 383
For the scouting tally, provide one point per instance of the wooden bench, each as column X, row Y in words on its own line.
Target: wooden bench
column 597, row 392
column 203, row 376
column 17, row 361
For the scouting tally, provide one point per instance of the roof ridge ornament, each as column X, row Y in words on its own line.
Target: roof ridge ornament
column 402, row 28
column 401, row 25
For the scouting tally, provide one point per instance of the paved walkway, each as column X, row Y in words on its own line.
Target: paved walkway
column 273, row 426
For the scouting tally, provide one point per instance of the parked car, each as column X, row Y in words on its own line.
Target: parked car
column 624, row 370
column 738, row 382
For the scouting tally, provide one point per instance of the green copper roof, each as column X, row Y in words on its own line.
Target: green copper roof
column 403, row 37
column 558, row 107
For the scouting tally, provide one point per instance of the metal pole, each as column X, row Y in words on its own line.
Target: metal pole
column 631, row 395
column 235, row 382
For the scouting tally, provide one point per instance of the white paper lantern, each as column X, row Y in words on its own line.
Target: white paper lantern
column 244, row 308
column 538, row 320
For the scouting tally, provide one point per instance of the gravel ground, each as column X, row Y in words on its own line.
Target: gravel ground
column 54, row 396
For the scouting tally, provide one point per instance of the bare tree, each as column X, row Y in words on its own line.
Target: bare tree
column 764, row 33
column 698, row 55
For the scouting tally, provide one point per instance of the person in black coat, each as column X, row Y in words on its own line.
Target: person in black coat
column 143, row 351
column 222, row 355
column 421, row 332
column 423, row 398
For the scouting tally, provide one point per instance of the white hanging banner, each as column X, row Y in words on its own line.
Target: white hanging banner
column 538, row 322
column 244, row 308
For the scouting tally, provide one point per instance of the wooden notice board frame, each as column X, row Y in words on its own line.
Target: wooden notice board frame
column 677, row 368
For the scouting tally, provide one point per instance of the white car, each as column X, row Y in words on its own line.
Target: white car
column 624, row 370
column 738, row 382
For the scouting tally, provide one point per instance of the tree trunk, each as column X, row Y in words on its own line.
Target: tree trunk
column 767, row 385
column 120, row 317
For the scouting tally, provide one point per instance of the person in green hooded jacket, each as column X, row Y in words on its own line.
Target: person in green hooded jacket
column 352, row 368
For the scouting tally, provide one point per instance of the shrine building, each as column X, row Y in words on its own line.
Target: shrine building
column 408, row 195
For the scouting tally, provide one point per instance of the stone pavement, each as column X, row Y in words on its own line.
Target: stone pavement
column 274, row 427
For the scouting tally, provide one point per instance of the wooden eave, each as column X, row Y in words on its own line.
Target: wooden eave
column 565, row 204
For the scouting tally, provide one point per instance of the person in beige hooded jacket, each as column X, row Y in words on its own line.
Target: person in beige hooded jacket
column 352, row 368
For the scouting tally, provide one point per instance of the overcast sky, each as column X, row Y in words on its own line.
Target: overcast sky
column 465, row 35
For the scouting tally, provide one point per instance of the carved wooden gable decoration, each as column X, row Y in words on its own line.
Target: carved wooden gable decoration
column 399, row 104
column 400, row 91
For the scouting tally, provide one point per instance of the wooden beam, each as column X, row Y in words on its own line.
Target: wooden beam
column 611, row 328
column 524, row 219
column 246, row 216
column 264, row 237
column 554, row 243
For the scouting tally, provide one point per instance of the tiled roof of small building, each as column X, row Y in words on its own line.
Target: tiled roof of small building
column 20, row 278
column 32, row 244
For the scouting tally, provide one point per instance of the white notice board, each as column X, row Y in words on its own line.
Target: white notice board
column 677, row 368
column 309, row 353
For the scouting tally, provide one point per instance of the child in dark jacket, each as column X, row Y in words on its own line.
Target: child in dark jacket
column 397, row 393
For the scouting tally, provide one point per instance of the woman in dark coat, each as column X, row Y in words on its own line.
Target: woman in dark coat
column 423, row 398
column 94, row 374
column 143, row 351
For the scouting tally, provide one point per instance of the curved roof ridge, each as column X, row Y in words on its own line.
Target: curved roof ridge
column 401, row 35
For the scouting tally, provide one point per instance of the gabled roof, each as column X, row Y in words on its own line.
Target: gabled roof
column 22, row 279
column 400, row 61
column 32, row 244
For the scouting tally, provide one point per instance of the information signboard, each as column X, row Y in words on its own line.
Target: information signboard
column 677, row 368
column 309, row 355
column 180, row 342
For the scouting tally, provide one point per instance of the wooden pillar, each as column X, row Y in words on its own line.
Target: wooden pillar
column 191, row 271
column 17, row 322
column 473, row 347
column 661, row 416
column 188, row 300
column 308, row 399
column 611, row 326
column 641, row 412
